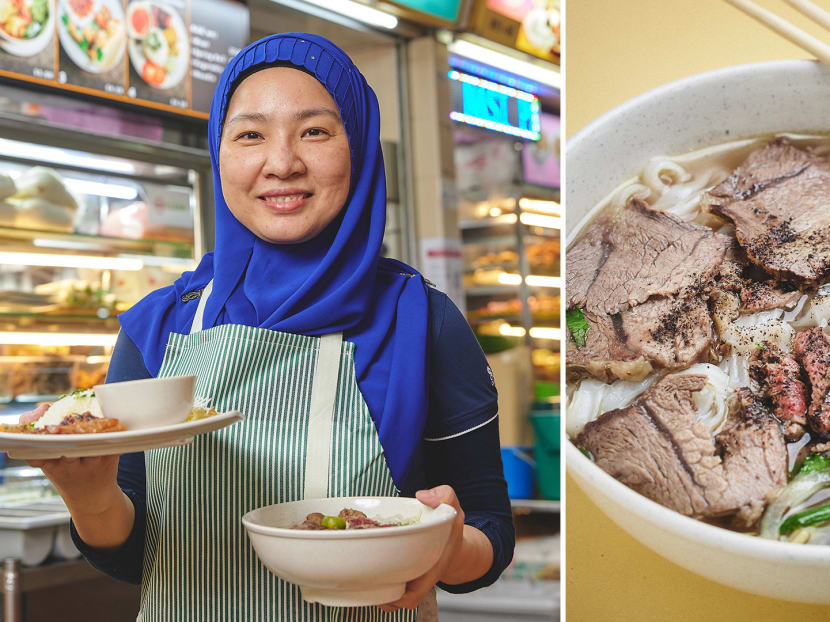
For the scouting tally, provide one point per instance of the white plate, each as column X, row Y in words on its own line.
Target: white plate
column 138, row 59
column 30, row 47
column 81, row 58
column 44, row 446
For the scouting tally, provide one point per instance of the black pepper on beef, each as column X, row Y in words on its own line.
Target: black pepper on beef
column 812, row 347
column 639, row 277
column 779, row 377
column 779, row 202
column 658, row 447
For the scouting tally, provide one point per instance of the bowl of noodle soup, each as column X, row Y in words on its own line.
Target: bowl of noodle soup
column 667, row 148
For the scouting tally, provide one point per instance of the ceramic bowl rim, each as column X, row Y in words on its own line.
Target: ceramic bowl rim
column 445, row 514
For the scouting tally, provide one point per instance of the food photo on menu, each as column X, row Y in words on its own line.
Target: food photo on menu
column 26, row 33
column 159, row 51
column 93, row 40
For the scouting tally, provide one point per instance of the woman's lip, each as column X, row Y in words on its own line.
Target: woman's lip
column 283, row 205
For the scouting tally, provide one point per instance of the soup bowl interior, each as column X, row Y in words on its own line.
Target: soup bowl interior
column 350, row 567
column 696, row 112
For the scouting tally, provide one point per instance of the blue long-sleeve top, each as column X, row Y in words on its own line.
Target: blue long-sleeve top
column 460, row 448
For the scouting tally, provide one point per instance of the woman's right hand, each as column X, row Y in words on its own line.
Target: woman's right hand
column 102, row 513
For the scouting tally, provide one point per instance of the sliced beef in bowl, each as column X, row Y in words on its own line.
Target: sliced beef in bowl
column 657, row 447
column 779, row 378
column 779, row 202
column 812, row 347
column 639, row 279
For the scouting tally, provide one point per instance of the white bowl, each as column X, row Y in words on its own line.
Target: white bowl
column 699, row 111
column 148, row 403
column 322, row 562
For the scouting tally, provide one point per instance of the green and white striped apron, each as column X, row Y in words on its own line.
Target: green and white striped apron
column 307, row 433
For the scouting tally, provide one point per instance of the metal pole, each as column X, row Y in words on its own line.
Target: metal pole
column 12, row 594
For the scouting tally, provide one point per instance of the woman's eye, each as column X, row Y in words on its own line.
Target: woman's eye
column 315, row 132
column 249, row 135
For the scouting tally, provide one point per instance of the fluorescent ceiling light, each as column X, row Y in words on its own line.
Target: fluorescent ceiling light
column 539, row 220
column 70, row 261
column 58, row 339
column 511, row 331
column 68, row 245
column 539, row 205
column 535, row 280
column 354, row 10
column 506, row 278
column 95, row 188
column 506, row 63
column 539, row 332
column 57, row 155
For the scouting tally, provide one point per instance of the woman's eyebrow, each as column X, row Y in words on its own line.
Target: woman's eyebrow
column 256, row 117
column 302, row 115
column 315, row 112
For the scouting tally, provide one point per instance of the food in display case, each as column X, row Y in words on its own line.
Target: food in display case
column 42, row 201
column 40, row 379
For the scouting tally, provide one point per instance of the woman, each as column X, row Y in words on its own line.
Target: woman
column 294, row 319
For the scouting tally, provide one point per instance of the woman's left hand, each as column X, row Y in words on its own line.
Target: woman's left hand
column 418, row 588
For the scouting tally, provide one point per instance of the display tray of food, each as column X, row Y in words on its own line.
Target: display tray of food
column 102, row 421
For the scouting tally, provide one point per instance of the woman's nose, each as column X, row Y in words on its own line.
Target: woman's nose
column 283, row 161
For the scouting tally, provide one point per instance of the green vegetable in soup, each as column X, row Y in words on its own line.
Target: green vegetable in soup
column 577, row 325
column 815, row 462
column 333, row 522
column 811, row 516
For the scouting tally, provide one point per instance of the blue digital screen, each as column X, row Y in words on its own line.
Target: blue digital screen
column 494, row 106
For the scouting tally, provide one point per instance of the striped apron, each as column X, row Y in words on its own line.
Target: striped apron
column 307, row 433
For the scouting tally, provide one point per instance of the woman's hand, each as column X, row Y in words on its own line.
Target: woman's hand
column 467, row 555
column 102, row 513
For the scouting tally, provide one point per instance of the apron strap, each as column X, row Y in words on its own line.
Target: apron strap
column 196, row 326
column 321, row 417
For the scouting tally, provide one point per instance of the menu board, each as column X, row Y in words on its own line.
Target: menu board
column 533, row 26
column 164, row 54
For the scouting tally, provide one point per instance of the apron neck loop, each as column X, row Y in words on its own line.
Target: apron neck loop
column 196, row 326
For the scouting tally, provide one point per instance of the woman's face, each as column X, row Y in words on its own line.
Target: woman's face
column 284, row 158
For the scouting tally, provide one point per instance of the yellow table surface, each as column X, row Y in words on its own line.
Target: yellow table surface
column 616, row 49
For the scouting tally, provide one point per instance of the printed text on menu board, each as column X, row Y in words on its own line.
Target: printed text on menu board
column 166, row 54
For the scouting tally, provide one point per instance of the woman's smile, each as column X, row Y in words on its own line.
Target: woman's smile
column 284, row 201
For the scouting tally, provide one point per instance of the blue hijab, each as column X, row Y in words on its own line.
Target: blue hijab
column 335, row 282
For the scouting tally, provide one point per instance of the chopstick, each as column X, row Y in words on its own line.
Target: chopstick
column 784, row 28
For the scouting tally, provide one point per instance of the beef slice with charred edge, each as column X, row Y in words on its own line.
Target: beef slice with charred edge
column 639, row 254
column 779, row 378
column 812, row 348
column 657, row 447
column 755, row 458
column 779, row 202
column 605, row 354
column 753, row 288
